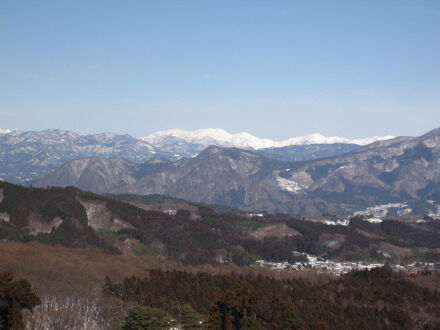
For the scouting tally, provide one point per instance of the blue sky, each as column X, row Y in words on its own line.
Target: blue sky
column 275, row 69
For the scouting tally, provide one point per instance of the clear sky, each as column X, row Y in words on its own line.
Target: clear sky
column 273, row 68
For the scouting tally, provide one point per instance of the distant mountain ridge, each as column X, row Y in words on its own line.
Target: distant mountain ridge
column 403, row 171
column 26, row 156
column 190, row 143
column 297, row 153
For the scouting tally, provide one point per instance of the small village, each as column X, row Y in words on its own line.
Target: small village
column 338, row 268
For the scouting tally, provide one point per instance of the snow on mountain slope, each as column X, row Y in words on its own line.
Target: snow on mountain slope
column 220, row 137
column 209, row 136
column 5, row 131
column 317, row 138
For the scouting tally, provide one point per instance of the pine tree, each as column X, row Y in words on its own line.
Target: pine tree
column 14, row 296
column 148, row 318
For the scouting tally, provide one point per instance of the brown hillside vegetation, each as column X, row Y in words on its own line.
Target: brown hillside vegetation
column 70, row 283
column 278, row 230
column 81, row 271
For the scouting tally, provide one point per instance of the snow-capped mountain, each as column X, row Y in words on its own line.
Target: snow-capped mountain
column 317, row 138
column 189, row 143
column 209, row 136
column 5, row 131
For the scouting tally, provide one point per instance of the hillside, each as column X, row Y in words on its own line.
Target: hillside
column 195, row 234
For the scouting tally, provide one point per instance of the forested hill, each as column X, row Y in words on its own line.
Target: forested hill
column 195, row 234
column 376, row 299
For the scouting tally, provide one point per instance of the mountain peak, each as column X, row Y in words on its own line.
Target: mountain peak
column 432, row 138
column 195, row 133
column 213, row 149
column 431, row 133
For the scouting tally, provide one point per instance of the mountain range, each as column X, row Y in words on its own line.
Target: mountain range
column 26, row 156
column 190, row 143
column 397, row 176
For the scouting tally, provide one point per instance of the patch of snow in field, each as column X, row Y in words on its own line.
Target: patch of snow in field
column 435, row 215
column 376, row 213
column 288, row 185
column 404, row 211
column 374, row 220
column 345, row 222
column 4, row 217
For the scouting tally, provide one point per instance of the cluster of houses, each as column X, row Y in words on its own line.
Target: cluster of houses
column 338, row 268
column 170, row 211
column 318, row 264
